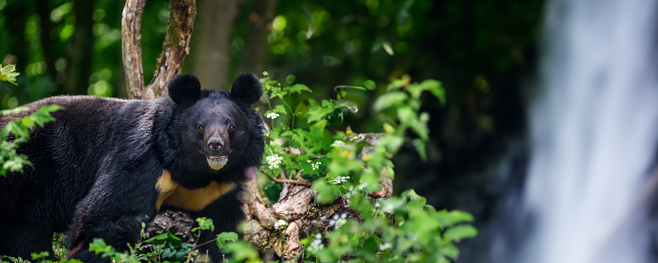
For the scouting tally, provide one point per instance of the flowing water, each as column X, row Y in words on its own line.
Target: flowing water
column 594, row 134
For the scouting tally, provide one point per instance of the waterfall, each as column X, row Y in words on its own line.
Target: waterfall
column 593, row 134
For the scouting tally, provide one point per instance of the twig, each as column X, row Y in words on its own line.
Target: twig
column 289, row 181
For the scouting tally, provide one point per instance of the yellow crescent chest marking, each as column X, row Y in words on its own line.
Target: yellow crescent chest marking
column 173, row 194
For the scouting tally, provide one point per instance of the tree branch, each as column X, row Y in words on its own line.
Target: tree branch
column 131, row 21
column 175, row 46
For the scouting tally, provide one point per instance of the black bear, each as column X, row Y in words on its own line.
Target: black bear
column 105, row 166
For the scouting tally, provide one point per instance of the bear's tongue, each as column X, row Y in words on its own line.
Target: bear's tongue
column 217, row 162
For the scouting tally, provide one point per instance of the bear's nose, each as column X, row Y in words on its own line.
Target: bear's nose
column 215, row 144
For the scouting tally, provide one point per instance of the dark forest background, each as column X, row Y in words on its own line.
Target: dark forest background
column 483, row 51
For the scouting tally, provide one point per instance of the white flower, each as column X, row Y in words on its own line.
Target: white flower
column 384, row 246
column 341, row 179
column 272, row 115
column 316, row 244
column 338, row 144
column 265, row 73
column 342, row 220
column 315, row 165
column 363, row 186
column 279, row 224
column 273, row 161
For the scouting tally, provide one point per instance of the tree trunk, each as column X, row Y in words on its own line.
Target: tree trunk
column 174, row 48
column 46, row 45
column 131, row 48
column 211, row 46
column 81, row 48
column 254, row 56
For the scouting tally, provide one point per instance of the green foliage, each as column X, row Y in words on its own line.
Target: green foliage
column 226, row 236
column 399, row 109
column 399, row 229
column 242, row 252
column 100, row 247
column 204, row 224
column 19, row 128
column 417, row 233
column 8, row 73
column 164, row 247
column 161, row 248
column 167, row 246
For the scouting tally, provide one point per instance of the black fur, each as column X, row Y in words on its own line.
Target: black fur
column 185, row 89
column 96, row 166
column 248, row 95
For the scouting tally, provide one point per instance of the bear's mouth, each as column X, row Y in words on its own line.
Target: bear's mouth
column 216, row 162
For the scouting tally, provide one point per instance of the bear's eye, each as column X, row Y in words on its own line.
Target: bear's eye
column 200, row 127
column 231, row 127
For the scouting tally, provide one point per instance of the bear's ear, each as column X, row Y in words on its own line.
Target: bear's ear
column 184, row 89
column 246, row 88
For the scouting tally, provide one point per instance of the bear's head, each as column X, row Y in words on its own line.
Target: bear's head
column 215, row 126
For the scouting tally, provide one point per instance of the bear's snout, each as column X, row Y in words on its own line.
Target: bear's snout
column 214, row 144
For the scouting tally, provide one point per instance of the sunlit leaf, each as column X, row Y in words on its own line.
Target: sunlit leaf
column 457, row 233
column 420, row 148
column 390, row 99
column 8, row 73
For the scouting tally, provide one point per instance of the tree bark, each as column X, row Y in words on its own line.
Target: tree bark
column 174, row 48
column 211, row 46
column 131, row 22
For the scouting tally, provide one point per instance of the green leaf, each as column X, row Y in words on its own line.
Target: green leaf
column 408, row 118
column 165, row 238
column 279, row 109
column 449, row 250
column 420, row 148
column 391, row 142
column 14, row 110
column 387, row 47
column 423, row 222
column 226, row 236
column 369, row 85
column 326, row 192
column 457, row 233
column 99, row 246
column 8, row 73
column 437, row 89
column 243, row 252
column 298, row 88
column 430, row 85
column 205, row 223
column 390, row 99
column 448, row 219
column 360, row 203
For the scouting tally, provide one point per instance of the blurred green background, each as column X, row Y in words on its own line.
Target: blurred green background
column 483, row 51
